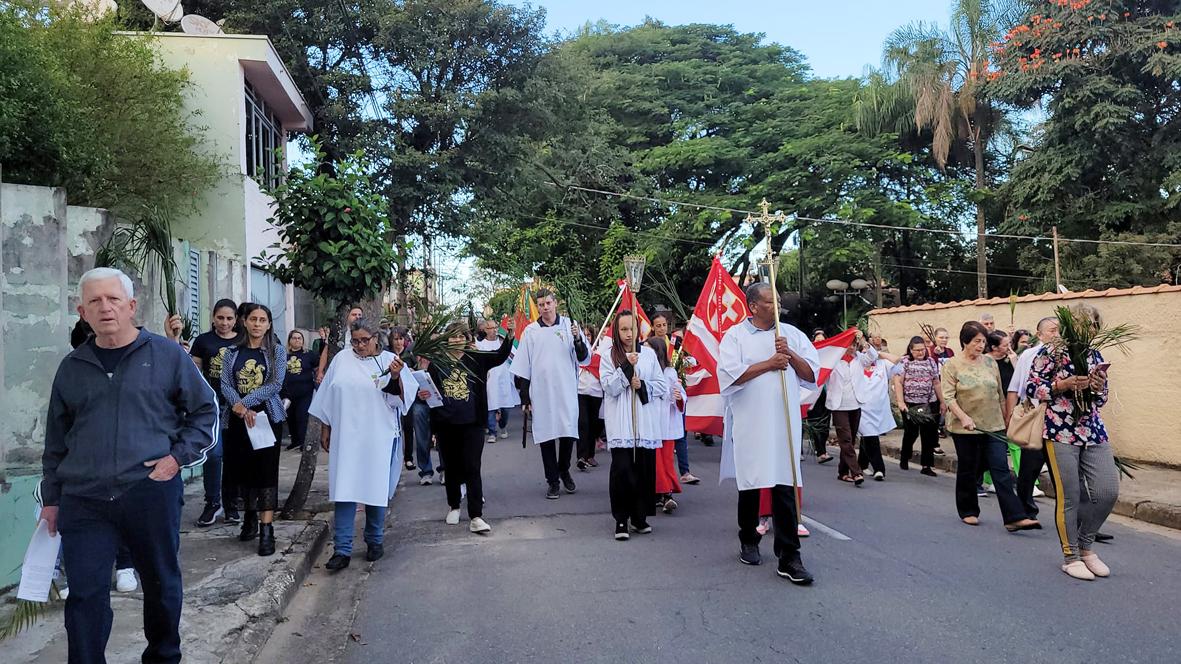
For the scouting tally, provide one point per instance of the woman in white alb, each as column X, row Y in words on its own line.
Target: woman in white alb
column 877, row 416
column 360, row 404
column 631, row 378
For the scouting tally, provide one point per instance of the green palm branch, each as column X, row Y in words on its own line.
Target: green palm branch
column 146, row 242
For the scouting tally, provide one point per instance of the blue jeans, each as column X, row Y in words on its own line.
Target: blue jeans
column 492, row 426
column 420, row 416
column 211, row 473
column 682, row 450
column 342, row 535
column 147, row 519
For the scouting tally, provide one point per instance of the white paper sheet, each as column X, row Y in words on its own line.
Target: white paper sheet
column 40, row 561
column 425, row 383
column 261, row 435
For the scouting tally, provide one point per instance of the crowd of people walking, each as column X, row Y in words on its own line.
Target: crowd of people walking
column 382, row 408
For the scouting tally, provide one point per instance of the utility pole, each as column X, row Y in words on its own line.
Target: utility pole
column 1057, row 269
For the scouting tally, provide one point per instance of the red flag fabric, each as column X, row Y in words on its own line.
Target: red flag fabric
column 720, row 306
column 830, row 350
column 629, row 302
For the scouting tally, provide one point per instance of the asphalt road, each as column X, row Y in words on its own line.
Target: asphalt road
column 898, row 579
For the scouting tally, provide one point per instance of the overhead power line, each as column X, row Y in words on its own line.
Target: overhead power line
column 863, row 224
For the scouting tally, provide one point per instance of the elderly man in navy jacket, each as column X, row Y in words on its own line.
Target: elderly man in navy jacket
column 128, row 410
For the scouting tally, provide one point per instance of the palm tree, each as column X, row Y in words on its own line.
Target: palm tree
column 942, row 73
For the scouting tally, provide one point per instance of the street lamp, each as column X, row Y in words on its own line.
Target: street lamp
column 842, row 288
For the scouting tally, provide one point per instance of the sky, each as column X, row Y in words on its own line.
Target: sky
column 839, row 38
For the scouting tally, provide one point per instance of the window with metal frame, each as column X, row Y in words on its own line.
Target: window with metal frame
column 264, row 136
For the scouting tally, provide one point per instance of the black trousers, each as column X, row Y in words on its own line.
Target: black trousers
column 633, row 485
column 461, row 447
column 590, row 425
column 407, row 439
column 1027, row 474
column 783, row 520
column 928, row 434
column 555, row 458
column 297, row 418
column 870, row 454
column 976, row 453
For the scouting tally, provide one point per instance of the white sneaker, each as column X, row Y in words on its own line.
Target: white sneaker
column 1038, row 493
column 490, row 438
column 452, row 518
column 503, row 433
column 802, row 530
column 125, row 581
column 990, row 488
column 425, row 480
column 479, row 525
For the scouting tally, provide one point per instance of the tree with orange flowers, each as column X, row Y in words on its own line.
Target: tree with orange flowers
column 1106, row 162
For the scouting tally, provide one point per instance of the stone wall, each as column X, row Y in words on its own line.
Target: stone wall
column 1141, row 423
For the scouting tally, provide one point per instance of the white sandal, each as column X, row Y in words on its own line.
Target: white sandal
column 1078, row 569
column 1097, row 567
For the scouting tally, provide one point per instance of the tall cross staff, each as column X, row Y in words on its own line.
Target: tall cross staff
column 766, row 219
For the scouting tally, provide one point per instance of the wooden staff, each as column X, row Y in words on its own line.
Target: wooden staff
column 765, row 220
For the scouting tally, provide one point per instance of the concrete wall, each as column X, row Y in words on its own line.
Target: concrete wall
column 1141, row 381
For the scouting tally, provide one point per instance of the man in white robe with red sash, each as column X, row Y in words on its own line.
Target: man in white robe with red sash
column 755, row 446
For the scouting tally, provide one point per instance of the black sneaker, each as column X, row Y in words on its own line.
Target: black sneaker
column 374, row 552
column 749, row 555
column 642, row 528
column 621, row 532
column 553, row 493
column 928, row 472
column 232, row 517
column 337, row 561
column 209, row 515
column 793, row 570
column 569, row 483
column 581, row 465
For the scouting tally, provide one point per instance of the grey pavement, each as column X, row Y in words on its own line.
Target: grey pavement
column 911, row 583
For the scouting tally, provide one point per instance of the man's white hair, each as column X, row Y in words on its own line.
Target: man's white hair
column 985, row 317
column 100, row 273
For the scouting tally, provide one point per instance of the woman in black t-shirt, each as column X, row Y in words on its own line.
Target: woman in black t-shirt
column 298, row 387
column 460, row 422
column 208, row 351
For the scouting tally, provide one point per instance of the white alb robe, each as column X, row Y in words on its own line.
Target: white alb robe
column 674, row 427
column 755, row 444
column 365, row 457
column 501, row 392
column 877, row 419
column 546, row 358
column 651, row 418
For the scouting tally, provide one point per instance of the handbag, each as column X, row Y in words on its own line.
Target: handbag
column 920, row 414
column 1027, row 426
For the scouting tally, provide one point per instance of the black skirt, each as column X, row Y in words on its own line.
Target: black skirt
column 254, row 474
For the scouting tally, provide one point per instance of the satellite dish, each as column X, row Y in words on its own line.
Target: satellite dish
column 195, row 24
column 168, row 11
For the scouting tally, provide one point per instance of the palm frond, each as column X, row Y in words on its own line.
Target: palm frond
column 1125, row 467
column 430, row 338
column 145, row 243
column 25, row 614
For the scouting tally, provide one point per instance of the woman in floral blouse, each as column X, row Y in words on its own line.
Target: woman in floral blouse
column 1077, row 452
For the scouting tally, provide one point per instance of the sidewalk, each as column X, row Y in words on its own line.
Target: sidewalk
column 232, row 597
column 1154, row 496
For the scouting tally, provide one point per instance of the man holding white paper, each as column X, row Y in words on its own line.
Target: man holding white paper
column 128, row 409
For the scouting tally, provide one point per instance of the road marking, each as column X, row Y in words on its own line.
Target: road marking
column 831, row 532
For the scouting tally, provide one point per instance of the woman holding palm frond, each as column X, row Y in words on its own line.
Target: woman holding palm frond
column 1070, row 375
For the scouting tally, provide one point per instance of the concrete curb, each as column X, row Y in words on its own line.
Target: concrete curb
column 266, row 605
column 1149, row 511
